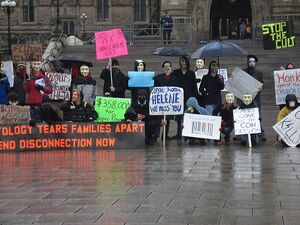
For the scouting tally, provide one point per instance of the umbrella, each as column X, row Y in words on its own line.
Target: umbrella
column 69, row 60
column 218, row 49
column 170, row 51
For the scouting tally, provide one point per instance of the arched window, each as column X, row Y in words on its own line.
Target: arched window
column 140, row 10
column 102, row 10
column 28, row 10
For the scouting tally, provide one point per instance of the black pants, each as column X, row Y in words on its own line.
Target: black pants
column 167, row 36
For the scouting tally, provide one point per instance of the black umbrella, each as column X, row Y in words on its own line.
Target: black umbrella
column 69, row 60
column 170, row 51
column 218, row 49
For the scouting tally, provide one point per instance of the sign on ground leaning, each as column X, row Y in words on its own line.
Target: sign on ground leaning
column 289, row 128
column 166, row 101
column 14, row 114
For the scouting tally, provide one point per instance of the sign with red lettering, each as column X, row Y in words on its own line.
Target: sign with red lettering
column 286, row 82
column 72, row 136
column 110, row 43
column 61, row 83
column 14, row 114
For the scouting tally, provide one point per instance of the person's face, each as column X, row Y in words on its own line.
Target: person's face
column 36, row 65
column 75, row 96
column 214, row 68
column 290, row 67
column 292, row 104
column 229, row 98
column 199, row 63
column 2, row 68
column 142, row 99
column 183, row 64
column 140, row 67
column 251, row 62
column 167, row 68
column 84, row 70
column 247, row 99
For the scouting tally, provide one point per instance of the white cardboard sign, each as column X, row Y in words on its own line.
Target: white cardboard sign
column 246, row 121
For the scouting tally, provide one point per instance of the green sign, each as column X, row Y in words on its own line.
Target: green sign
column 111, row 109
column 278, row 35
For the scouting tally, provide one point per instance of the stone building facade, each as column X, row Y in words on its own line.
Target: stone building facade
column 35, row 20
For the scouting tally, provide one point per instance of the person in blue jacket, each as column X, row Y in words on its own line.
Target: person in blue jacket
column 4, row 87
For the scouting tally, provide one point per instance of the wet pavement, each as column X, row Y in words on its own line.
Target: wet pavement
column 181, row 184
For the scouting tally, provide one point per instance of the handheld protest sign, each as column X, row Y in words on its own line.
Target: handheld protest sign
column 61, row 82
column 14, row 114
column 27, row 52
column 278, row 35
column 241, row 82
column 9, row 71
column 166, row 101
column 246, row 121
column 289, row 128
column 110, row 43
column 223, row 73
column 111, row 109
column 201, row 126
column 286, row 82
column 141, row 78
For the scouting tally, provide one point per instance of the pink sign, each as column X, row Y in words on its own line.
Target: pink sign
column 110, row 43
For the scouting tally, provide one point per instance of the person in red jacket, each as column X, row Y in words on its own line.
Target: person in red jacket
column 37, row 87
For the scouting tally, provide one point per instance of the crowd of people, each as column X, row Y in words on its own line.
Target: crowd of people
column 33, row 89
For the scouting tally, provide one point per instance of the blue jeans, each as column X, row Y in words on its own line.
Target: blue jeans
column 227, row 130
column 210, row 108
column 244, row 138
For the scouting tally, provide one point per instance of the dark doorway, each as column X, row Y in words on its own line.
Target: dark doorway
column 226, row 17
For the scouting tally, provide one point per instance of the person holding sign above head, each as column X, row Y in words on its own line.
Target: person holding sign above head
column 226, row 112
column 246, row 104
column 4, row 86
column 255, row 73
column 77, row 110
column 87, row 85
column 166, row 79
column 187, row 81
column 37, row 88
column 211, row 86
column 115, row 83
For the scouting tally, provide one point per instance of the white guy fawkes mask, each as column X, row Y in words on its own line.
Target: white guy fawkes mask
column 84, row 70
column 247, row 99
column 140, row 66
column 229, row 98
column 199, row 63
column 251, row 62
column 2, row 68
column 36, row 65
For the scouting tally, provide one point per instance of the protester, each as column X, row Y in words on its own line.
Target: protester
column 187, row 81
column 4, row 86
column 141, row 107
column 248, row 30
column 242, row 29
column 289, row 66
column 246, row 104
column 226, row 112
column 211, row 86
column 140, row 66
column 77, row 110
column 118, row 87
column 166, row 79
column 255, row 73
column 13, row 98
column 194, row 108
column 47, row 114
column 87, row 85
column 167, row 26
column 19, row 80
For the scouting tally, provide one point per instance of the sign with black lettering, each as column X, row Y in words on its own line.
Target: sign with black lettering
column 72, row 136
column 286, row 82
column 14, row 114
column 201, row 126
column 27, row 52
column 246, row 121
column 278, row 35
column 289, row 128
column 61, row 83
column 166, row 101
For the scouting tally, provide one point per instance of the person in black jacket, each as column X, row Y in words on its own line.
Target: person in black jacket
column 187, row 81
column 166, row 79
column 211, row 86
column 19, row 80
column 118, row 88
column 167, row 26
column 77, row 110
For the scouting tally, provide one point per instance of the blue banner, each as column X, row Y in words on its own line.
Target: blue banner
column 141, row 79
